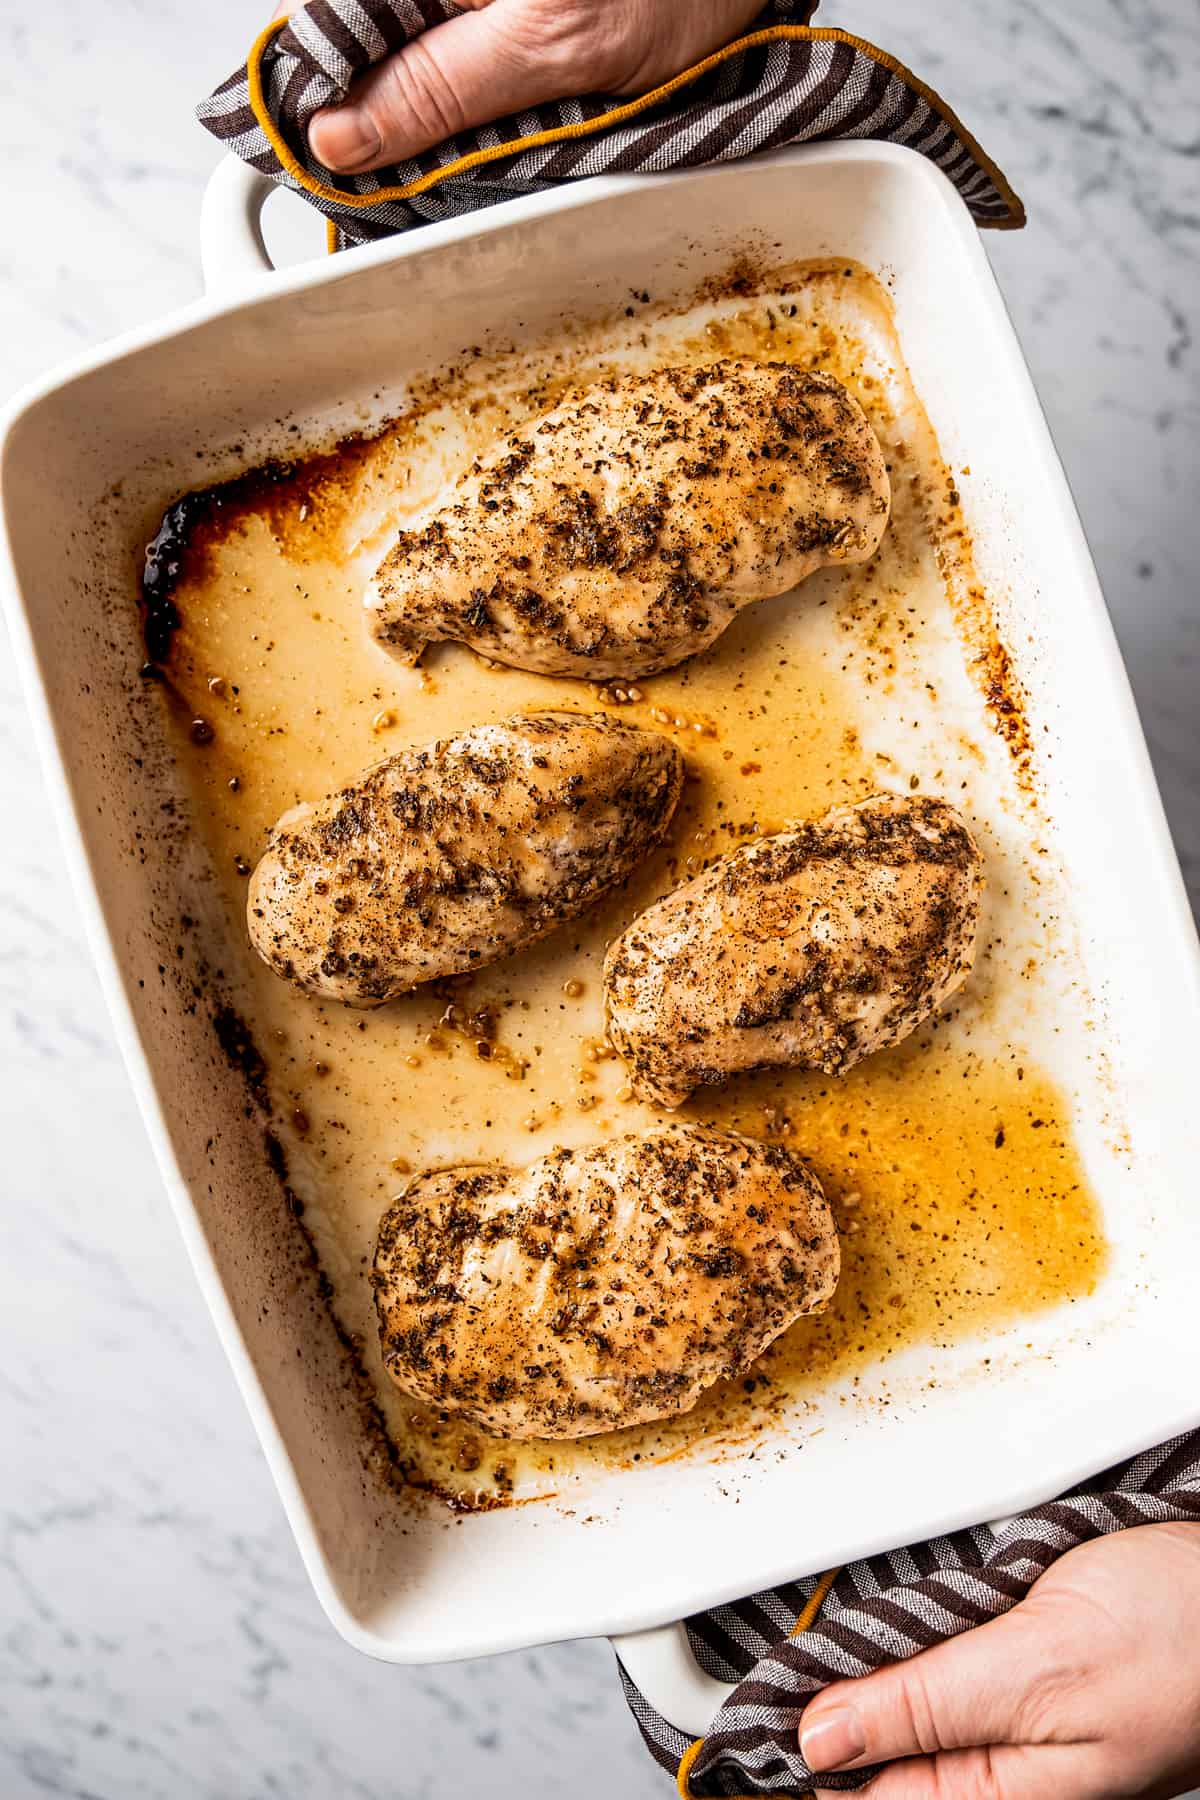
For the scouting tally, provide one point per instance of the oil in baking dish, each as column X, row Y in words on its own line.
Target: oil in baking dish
column 950, row 1161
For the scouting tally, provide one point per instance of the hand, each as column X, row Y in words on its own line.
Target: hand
column 1088, row 1690
column 505, row 55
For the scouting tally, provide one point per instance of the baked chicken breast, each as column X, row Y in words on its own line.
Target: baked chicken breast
column 621, row 532
column 600, row 1287
column 443, row 859
column 810, row 949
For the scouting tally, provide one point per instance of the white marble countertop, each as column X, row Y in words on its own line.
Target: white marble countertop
column 158, row 1637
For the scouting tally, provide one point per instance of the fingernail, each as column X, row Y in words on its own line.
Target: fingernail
column 834, row 1741
column 343, row 137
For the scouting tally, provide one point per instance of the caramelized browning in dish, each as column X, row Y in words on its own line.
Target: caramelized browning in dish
column 810, row 949
column 441, row 860
column 954, row 1163
column 599, row 1287
column 622, row 531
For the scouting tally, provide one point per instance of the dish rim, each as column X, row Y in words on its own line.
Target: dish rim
column 624, row 1614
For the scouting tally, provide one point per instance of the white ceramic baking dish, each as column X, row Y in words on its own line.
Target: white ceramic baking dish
column 91, row 455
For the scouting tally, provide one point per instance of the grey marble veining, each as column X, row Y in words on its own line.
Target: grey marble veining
column 158, row 1638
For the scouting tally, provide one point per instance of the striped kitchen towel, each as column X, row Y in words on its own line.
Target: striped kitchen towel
column 783, row 82
column 783, row 1646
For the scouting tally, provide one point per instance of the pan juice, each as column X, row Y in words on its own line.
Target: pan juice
column 952, row 1161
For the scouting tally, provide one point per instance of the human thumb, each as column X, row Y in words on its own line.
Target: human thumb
column 972, row 1690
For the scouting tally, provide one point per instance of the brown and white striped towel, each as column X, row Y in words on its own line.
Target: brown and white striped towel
column 882, row 1610
column 783, row 82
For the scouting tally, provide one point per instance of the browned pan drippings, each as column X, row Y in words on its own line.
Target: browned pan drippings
column 950, row 1160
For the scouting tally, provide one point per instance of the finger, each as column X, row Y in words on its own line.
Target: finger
column 971, row 1690
column 474, row 68
column 956, row 1775
column 1023, row 1772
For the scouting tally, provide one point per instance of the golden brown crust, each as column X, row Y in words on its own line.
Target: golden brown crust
column 601, row 1287
column 622, row 531
column 441, row 860
column 810, row 949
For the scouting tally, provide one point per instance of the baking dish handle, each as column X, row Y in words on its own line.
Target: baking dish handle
column 661, row 1665
column 232, row 250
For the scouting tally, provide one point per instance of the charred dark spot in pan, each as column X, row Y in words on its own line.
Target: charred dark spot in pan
column 290, row 494
column 240, row 1050
column 242, row 1053
column 399, row 1474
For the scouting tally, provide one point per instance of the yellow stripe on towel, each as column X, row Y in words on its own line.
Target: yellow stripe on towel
column 616, row 115
column 809, row 1616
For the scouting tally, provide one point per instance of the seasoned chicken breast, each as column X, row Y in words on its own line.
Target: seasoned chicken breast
column 810, row 949
column 621, row 532
column 443, row 859
column 599, row 1287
